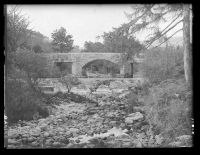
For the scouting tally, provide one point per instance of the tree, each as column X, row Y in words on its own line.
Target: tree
column 61, row 41
column 150, row 17
column 118, row 41
column 69, row 81
column 187, row 46
column 93, row 47
column 37, row 49
column 76, row 49
column 17, row 32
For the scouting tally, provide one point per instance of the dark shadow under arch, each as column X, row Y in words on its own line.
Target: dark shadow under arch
column 101, row 66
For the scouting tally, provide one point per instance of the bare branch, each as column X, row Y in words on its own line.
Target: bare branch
column 171, row 23
column 158, row 37
column 168, row 38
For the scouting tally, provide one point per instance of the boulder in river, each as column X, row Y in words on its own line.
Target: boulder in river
column 134, row 117
column 182, row 141
column 118, row 84
column 12, row 141
column 73, row 130
column 46, row 134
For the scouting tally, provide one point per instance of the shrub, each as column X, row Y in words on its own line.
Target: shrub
column 21, row 102
column 23, row 96
column 35, row 65
column 69, row 81
column 160, row 64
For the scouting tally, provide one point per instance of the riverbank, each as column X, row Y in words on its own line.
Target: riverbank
column 106, row 124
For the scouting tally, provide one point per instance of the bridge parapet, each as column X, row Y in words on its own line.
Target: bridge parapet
column 73, row 57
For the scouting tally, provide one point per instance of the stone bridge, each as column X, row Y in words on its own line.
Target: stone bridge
column 79, row 60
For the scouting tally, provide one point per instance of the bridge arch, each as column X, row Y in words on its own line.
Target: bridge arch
column 77, row 68
column 114, row 58
column 101, row 66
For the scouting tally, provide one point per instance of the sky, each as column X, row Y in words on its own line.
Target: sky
column 83, row 22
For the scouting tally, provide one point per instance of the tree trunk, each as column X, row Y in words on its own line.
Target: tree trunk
column 187, row 46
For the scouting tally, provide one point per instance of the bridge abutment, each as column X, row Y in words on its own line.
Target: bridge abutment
column 122, row 70
column 76, row 69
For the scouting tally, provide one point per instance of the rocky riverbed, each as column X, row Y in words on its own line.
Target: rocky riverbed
column 89, row 125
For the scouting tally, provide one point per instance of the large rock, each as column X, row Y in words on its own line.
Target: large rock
column 82, row 86
column 44, row 127
column 56, row 144
column 68, row 134
column 12, row 141
column 130, row 83
column 84, row 118
column 103, row 87
column 118, row 84
column 159, row 139
column 60, row 129
column 38, row 129
column 103, row 91
column 34, row 144
column 101, row 103
column 113, row 123
column 31, row 139
column 25, row 135
column 129, row 120
column 126, row 144
column 124, row 94
column 182, row 141
column 73, row 130
column 11, row 146
column 184, row 138
column 139, row 108
column 48, row 142
column 12, row 134
column 42, row 121
column 134, row 117
column 118, row 90
column 46, row 134
column 36, row 134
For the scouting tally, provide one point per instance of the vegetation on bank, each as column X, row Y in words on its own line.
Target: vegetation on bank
column 162, row 63
column 167, row 100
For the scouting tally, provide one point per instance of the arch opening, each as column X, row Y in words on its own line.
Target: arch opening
column 100, row 68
